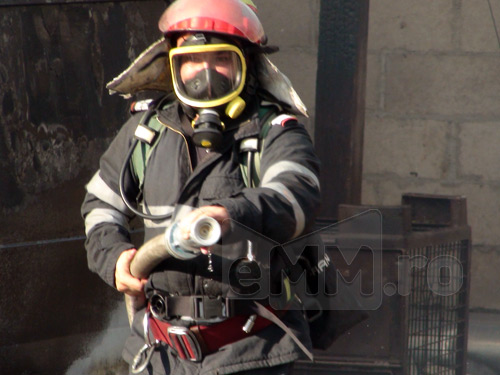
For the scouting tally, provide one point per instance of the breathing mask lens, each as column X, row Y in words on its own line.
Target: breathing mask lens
column 207, row 76
column 207, row 84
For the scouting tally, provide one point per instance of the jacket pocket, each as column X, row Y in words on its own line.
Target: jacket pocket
column 217, row 187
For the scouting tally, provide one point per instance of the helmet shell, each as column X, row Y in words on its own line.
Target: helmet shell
column 229, row 17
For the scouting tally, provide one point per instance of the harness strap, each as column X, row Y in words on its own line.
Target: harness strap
column 148, row 135
column 251, row 149
column 193, row 342
column 148, row 132
column 197, row 307
column 207, row 339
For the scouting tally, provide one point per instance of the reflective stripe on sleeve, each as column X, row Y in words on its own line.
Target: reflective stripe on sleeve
column 101, row 190
column 104, row 215
column 289, row 166
column 297, row 210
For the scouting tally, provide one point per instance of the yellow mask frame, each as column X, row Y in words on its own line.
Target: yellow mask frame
column 221, row 47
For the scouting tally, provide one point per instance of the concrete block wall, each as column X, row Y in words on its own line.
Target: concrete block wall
column 433, row 116
column 293, row 26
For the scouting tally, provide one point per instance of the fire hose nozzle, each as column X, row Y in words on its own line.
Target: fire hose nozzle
column 204, row 232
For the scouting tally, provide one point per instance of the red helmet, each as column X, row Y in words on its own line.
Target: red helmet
column 230, row 17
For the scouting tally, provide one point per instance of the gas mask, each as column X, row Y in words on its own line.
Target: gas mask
column 209, row 79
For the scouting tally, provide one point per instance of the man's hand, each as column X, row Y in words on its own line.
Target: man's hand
column 218, row 213
column 125, row 282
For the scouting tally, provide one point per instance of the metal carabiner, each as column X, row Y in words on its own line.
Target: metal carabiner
column 140, row 363
column 143, row 357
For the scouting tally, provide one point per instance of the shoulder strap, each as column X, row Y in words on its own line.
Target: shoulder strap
column 148, row 132
column 251, row 149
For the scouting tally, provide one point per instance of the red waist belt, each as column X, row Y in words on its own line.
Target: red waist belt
column 193, row 342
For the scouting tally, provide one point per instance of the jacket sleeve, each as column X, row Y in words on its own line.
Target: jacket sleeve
column 106, row 217
column 287, row 200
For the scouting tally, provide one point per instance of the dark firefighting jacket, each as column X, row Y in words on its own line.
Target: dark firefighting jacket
column 281, row 208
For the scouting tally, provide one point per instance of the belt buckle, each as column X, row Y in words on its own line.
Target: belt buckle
column 206, row 309
column 184, row 342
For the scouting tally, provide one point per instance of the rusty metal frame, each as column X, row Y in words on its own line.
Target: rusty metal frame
column 428, row 225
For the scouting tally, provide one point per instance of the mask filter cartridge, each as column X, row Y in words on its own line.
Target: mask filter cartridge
column 208, row 129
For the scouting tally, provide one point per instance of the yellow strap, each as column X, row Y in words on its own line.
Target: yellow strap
column 250, row 4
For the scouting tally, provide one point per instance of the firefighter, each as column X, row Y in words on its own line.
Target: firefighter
column 189, row 324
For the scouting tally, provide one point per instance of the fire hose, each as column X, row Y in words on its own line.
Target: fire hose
column 204, row 232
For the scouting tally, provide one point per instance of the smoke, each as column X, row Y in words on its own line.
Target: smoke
column 103, row 355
